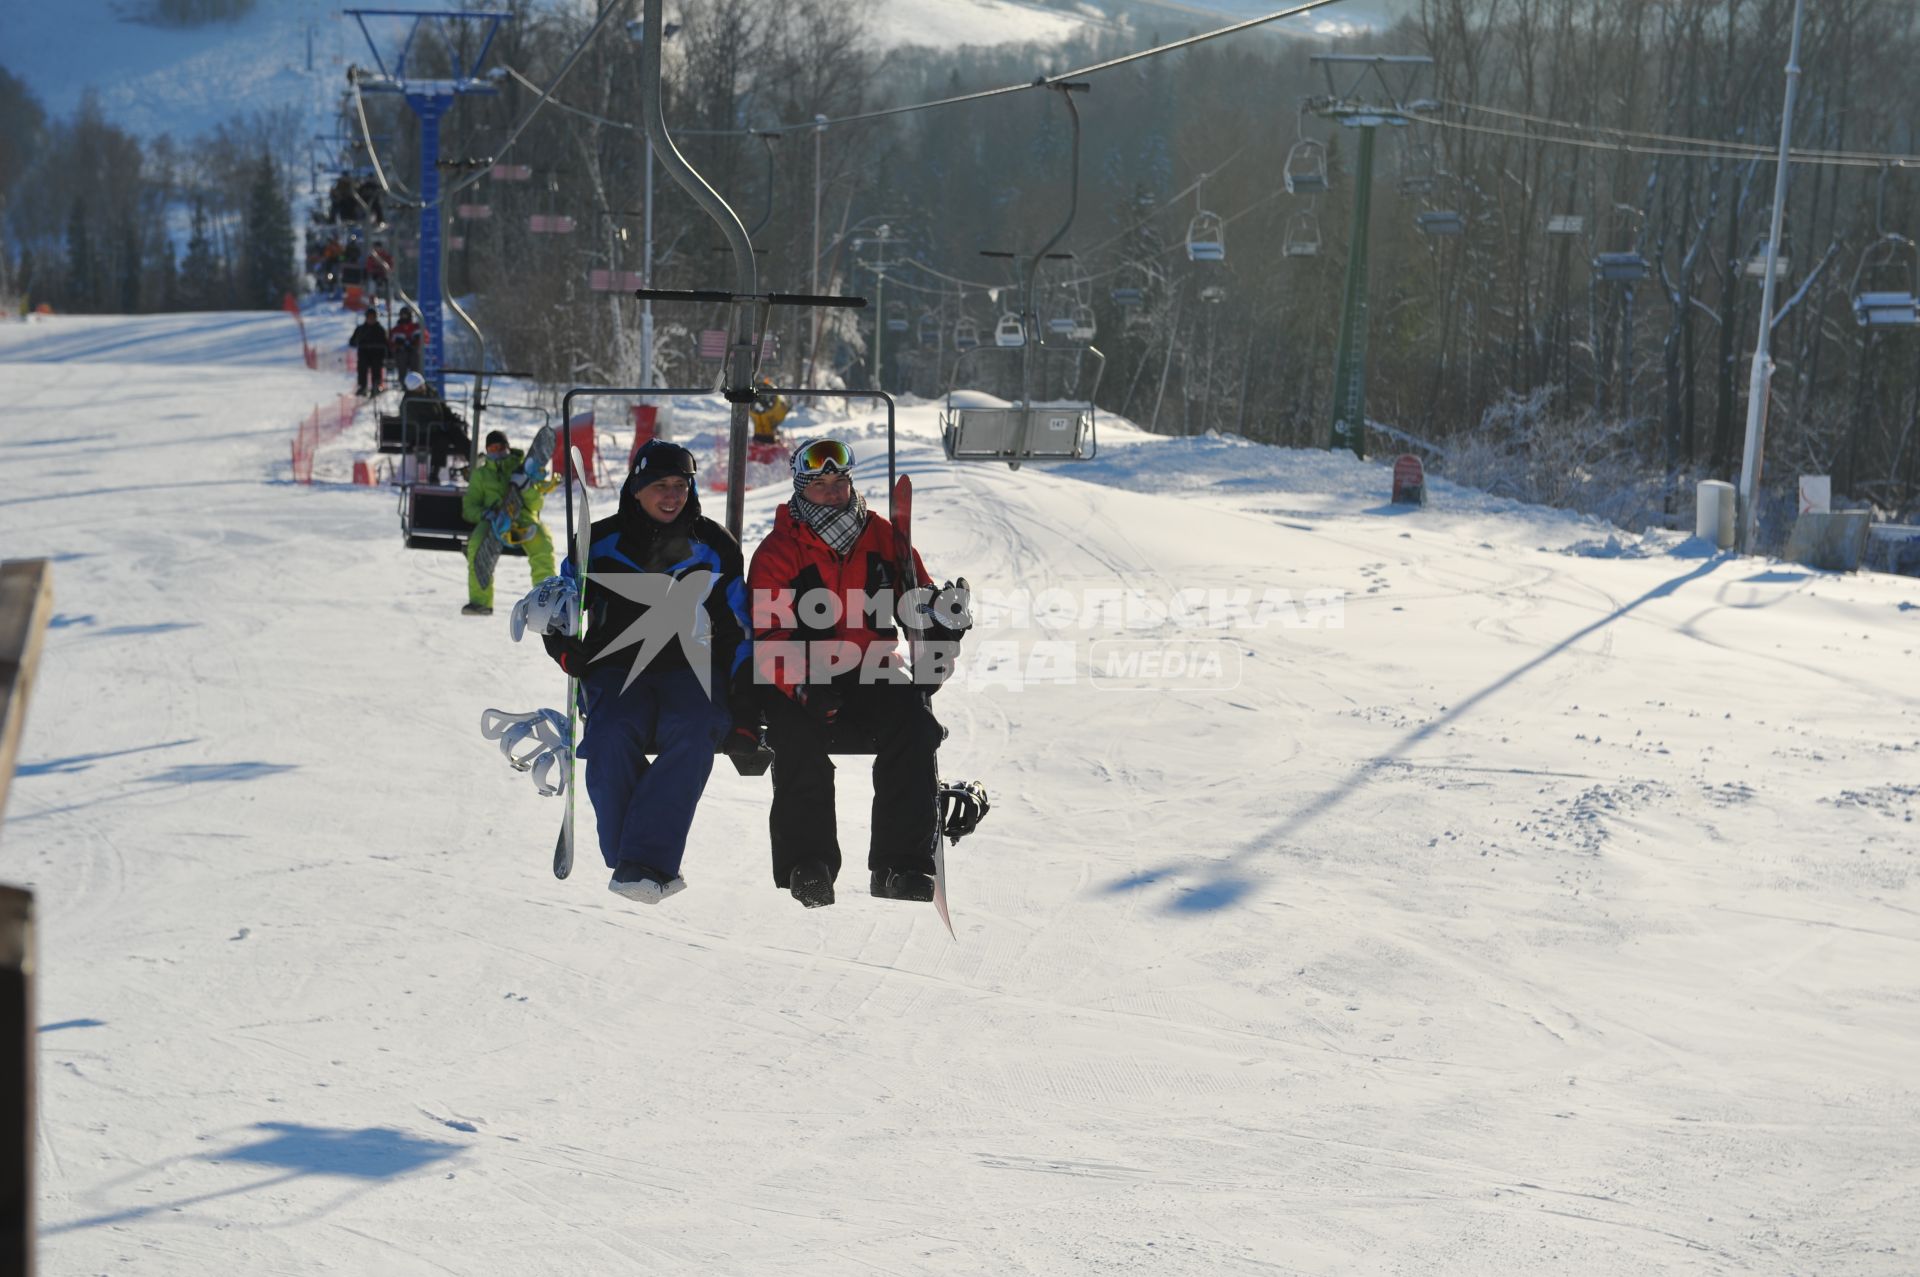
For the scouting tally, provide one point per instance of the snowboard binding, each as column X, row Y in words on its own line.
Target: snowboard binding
column 963, row 805
column 535, row 743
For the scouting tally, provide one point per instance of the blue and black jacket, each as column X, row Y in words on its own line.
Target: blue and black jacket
column 629, row 542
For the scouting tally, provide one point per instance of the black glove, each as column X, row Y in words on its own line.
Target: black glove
column 741, row 742
column 569, row 653
column 821, row 700
column 950, row 614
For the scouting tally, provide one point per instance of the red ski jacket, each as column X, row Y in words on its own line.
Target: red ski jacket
column 816, row 613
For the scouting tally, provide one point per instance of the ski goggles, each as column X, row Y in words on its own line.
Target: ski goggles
column 818, row 457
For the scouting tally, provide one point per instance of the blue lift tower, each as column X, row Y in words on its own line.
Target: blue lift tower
column 429, row 99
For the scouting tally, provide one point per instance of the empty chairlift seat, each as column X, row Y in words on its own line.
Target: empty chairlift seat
column 430, row 518
column 1306, row 168
column 1303, row 235
column 1884, row 284
column 975, row 426
column 1206, row 238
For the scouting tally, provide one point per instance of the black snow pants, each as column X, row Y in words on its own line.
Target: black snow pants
column 897, row 722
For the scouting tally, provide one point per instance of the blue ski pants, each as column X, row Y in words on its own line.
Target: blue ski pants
column 643, row 809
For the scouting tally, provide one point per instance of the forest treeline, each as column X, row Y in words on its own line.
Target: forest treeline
column 98, row 220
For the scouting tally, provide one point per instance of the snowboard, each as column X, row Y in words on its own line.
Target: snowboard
column 908, row 579
column 487, row 557
column 581, row 548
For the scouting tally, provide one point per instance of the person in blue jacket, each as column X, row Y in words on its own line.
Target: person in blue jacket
column 664, row 667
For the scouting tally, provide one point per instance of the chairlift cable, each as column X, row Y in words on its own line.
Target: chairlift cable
column 1039, row 82
column 1763, row 150
column 1703, row 150
column 519, row 127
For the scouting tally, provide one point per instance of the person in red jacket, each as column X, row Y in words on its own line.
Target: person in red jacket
column 822, row 587
column 406, row 339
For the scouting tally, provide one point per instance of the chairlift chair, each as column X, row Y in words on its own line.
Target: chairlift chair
column 1566, row 224
column 1213, row 294
column 1623, row 265
column 1895, row 302
column 966, row 335
column 1206, row 238
column 1418, row 168
column 978, row 426
column 1440, row 221
column 1620, row 268
column 929, row 333
column 1010, row 332
column 1083, row 323
column 1754, row 264
column 1306, row 168
column 896, row 317
column 1125, row 296
column 1303, row 235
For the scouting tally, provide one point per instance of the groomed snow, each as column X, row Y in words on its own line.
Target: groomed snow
column 1552, row 913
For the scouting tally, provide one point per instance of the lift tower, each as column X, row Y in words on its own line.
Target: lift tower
column 429, row 99
column 1375, row 94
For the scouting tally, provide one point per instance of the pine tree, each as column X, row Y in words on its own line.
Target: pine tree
column 169, row 282
column 129, row 264
column 82, row 269
column 200, row 271
column 267, row 262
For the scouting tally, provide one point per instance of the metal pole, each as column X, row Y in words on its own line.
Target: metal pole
column 430, row 108
column 647, row 374
column 1760, row 384
column 743, row 351
column 1350, row 358
column 880, row 323
column 813, row 279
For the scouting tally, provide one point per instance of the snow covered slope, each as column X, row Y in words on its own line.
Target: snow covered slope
column 1547, row 913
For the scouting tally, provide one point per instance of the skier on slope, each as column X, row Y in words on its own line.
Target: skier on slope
column 663, row 668
column 369, row 342
column 819, row 679
column 498, row 470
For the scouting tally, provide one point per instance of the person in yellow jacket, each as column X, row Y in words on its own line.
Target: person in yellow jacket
column 500, row 469
column 768, row 411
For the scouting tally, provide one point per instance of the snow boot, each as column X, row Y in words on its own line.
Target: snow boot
column 476, row 609
column 643, row 883
column 902, row 884
column 812, row 883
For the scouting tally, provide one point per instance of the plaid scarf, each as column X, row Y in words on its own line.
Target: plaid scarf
column 838, row 528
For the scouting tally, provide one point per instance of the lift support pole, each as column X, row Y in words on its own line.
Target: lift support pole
column 1350, row 354
column 1344, row 106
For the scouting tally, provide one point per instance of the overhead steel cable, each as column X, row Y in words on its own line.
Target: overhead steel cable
column 1039, row 82
column 1698, row 149
column 1757, row 148
column 513, row 134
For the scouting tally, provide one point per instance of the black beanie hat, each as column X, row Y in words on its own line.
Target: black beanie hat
column 499, row 437
column 658, row 459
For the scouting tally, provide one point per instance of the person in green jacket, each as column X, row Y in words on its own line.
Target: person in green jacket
column 495, row 473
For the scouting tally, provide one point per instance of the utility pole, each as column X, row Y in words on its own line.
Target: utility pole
column 1760, row 384
column 1348, row 108
column 883, row 236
